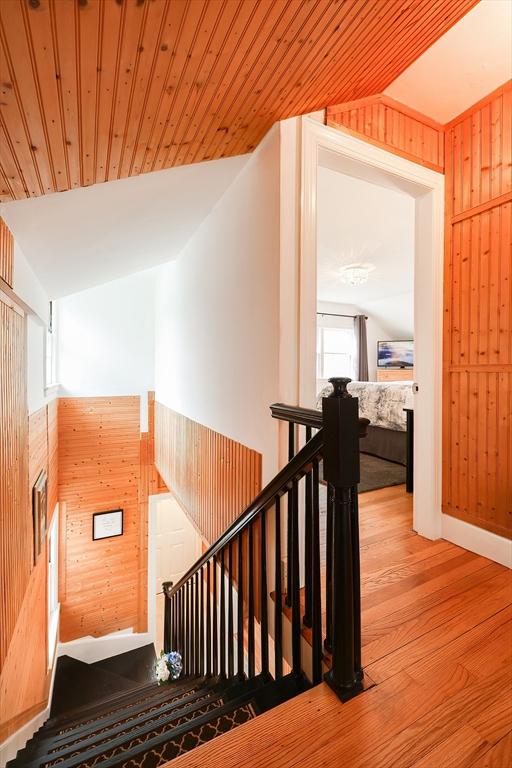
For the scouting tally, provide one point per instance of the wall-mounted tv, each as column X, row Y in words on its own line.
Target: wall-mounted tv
column 395, row 354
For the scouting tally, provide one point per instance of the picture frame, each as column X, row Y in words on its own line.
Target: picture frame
column 39, row 512
column 107, row 525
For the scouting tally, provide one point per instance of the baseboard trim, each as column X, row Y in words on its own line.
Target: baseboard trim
column 477, row 540
column 90, row 649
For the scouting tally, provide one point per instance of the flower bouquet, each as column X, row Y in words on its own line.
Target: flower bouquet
column 168, row 667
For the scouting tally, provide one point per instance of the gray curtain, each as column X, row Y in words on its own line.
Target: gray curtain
column 361, row 348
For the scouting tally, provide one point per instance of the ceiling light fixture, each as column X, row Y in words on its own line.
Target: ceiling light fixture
column 356, row 274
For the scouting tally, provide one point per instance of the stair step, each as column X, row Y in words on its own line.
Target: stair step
column 137, row 665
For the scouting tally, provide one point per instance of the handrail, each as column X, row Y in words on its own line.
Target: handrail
column 294, row 469
column 307, row 417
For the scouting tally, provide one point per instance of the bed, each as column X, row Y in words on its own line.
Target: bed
column 383, row 403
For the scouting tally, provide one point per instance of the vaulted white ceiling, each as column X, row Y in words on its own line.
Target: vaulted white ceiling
column 469, row 61
column 85, row 237
column 363, row 222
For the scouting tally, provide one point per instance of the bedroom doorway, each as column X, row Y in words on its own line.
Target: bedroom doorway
column 373, row 177
column 365, row 312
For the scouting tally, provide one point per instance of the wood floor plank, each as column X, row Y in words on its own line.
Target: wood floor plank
column 437, row 624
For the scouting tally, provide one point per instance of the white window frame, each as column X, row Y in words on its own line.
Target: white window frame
column 320, row 369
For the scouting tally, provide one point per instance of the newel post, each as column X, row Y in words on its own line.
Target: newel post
column 341, row 471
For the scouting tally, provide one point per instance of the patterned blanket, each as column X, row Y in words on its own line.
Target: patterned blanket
column 381, row 402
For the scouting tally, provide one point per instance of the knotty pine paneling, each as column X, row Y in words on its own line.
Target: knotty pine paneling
column 393, row 126
column 16, row 525
column 99, row 470
column 477, row 356
column 213, row 477
column 93, row 91
column 6, row 253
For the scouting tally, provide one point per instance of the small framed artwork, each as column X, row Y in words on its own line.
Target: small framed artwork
column 39, row 512
column 105, row 525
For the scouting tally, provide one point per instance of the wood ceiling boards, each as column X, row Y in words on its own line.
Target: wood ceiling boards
column 94, row 90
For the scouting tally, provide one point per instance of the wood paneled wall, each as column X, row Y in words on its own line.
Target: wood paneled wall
column 101, row 464
column 477, row 358
column 213, row 477
column 6, row 253
column 393, row 126
column 95, row 91
column 16, row 526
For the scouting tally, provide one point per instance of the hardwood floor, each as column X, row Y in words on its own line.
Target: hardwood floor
column 437, row 640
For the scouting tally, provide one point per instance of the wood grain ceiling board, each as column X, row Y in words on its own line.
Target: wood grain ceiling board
column 96, row 90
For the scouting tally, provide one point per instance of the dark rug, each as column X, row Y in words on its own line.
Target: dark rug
column 378, row 473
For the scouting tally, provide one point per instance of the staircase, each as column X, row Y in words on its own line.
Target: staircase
column 241, row 654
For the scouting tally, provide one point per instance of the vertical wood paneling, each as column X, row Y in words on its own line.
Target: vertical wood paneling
column 6, row 253
column 16, row 526
column 477, row 358
column 393, row 126
column 213, row 477
column 104, row 463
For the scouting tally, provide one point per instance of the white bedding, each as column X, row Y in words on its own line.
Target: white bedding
column 381, row 402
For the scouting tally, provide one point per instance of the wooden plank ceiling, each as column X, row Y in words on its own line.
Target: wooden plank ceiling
column 94, row 90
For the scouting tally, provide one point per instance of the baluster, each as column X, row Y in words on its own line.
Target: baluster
column 182, row 614
column 222, row 644
column 308, row 522
column 209, row 665
column 278, row 606
column 197, row 657
column 356, row 570
column 231, row 638
column 174, row 637
column 289, row 553
column 263, row 593
column 202, row 660
column 328, row 572
column 215, row 622
column 250, row 625
column 187, row 627
column 341, row 470
column 296, row 620
column 240, row 608
column 316, row 596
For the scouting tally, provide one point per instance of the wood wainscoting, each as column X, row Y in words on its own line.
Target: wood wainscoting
column 392, row 126
column 477, row 358
column 213, row 477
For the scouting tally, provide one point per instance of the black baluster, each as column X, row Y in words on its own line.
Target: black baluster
column 231, row 630
column 328, row 572
column 316, row 588
column 250, row 624
column 240, row 609
column 209, row 665
column 197, row 657
column 187, row 626
column 341, row 470
column 215, row 621
column 289, row 546
column 202, row 660
column 222, row 643
column 356, row 570
column 296, row 620
column 278, row 604
column 308, row 522
column 263, row 593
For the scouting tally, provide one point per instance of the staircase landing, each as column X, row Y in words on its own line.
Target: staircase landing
column 437, row 641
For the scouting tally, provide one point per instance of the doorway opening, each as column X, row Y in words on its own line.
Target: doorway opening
column 380, row 216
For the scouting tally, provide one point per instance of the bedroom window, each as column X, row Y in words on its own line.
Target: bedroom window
column 335, row 352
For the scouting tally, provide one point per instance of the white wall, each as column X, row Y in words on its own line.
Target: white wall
column 217, row 327
column 106, row 338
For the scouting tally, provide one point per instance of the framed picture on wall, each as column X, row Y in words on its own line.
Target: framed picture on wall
column 105, row 525
column 39, row 512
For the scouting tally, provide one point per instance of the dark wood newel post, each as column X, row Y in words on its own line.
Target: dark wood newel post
column 168, row 623
column 341, row 471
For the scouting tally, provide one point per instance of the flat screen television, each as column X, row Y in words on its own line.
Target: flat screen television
column 395, row 354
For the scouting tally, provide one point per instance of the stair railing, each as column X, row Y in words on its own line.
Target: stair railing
column 211, row 614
